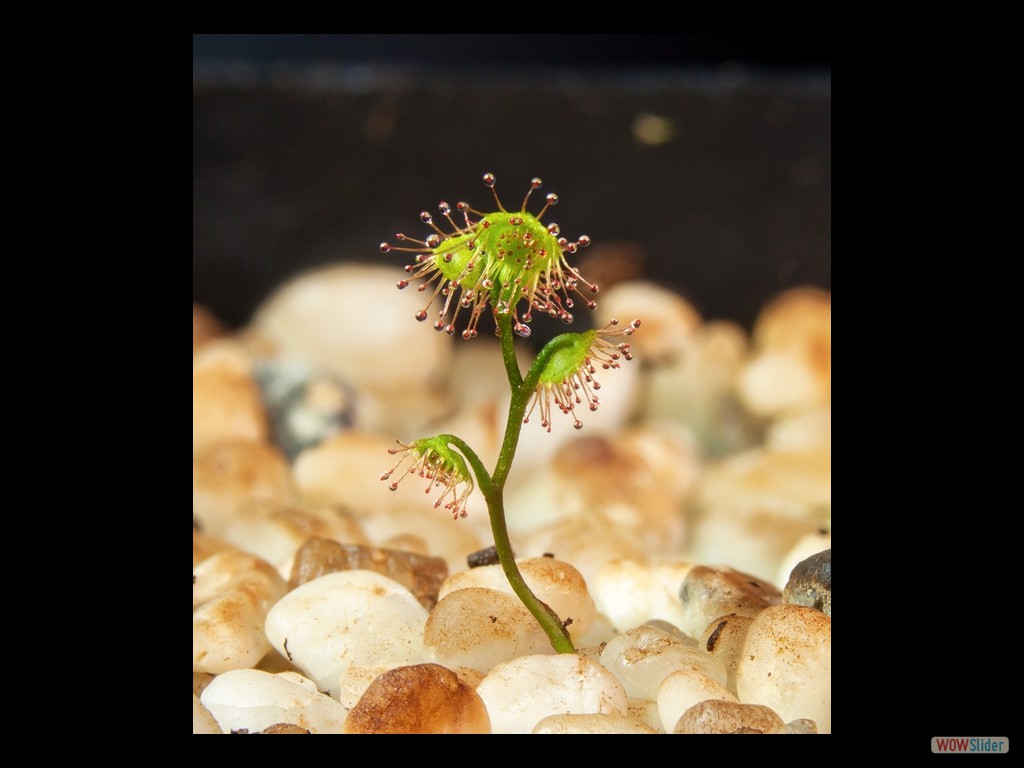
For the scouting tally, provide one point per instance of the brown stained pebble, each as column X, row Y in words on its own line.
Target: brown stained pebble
column 801, row 726
column 199, row 682
column 715, row 716
column 478, row 628
column 204, row 546
column 712, row 640
column 284, row 728
column 723, row 639
column 230, row 474
column 421, row 698
column 420, row 574
column 226, row 400
column 710, row 592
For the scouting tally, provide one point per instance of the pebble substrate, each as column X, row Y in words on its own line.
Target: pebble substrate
column 685, row 530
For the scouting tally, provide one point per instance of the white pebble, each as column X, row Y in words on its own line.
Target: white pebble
column 252, row 699
column 275, row 530
column 351, row 321
column 226, row 402
column 787, row 664
column 642, row 657
column 347, row 618
column 231, row 595
column 522, row 692
column 630, row 592
column 756, row 505
column 554, row 582
column 646, row 711
column 724, row 638
column 682, row 690
column 596, row 724
column 203, row 720
column 668, row 319
column 791, row 369
column 479, row 628
column 355, row 679
column 227, row 476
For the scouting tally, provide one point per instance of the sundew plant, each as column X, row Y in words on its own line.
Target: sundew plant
column 513, row 265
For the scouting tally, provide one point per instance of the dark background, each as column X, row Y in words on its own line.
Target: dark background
column 310, row 149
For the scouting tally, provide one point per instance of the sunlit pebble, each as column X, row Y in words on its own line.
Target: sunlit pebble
column 641, row 658
column 757, row 504
column 478, row 628
column 419, row 698
column 204, row 546
column 598, row 724
column 343, row 618
column 311, row 316
column 229, row 475
column 253, row 700
column 203, row 720
column 683, row 689
column 556, row 583
column 791, row 368
column 724, row 638
column 231, row 594
column 708, row 592
column 276, row 530
column 522, row 692
column 717, row 716
column 786, row 664
column 226, row 401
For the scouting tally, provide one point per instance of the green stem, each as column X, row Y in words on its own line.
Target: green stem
column 493, row 486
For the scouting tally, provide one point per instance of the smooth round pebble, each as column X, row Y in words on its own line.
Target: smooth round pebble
column 683, row 689
column 275, row 530
column 232, row 592
column 350, row 320
column 349, row 617
column 716, row 716
column 802, row 726
column 226, row 402
column 203, row 720
column 227, row 476
column 252, row 700
column 786, row 664
column 723, row 638
column 708, row 592
column 596, row 724
column 522, row 692
column 554, row 582
column 479, row 628
column 642, row 657
column 630, row 592
column 420, row 698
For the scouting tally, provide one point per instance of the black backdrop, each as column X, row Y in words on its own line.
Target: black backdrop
column 704, row 160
